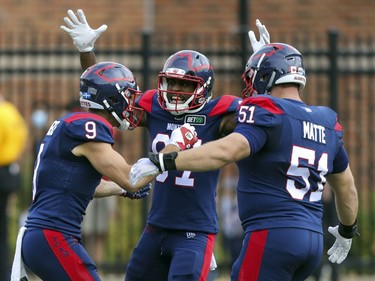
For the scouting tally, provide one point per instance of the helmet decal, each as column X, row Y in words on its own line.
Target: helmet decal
column 273, row 64
column 112, row 87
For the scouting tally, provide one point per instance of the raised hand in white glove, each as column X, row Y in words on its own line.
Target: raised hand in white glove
column 340, row 249
column 83, row 35
column 143, row 168
column 264, row 36
column 184, row 137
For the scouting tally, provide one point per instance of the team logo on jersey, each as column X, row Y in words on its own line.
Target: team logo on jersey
column 195, row 119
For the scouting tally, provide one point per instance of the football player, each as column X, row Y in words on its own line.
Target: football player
column 74, row 155
column 178, row 240
column 286, row 151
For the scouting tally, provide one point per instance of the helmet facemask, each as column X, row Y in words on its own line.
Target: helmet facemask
column 130, row 117
column 186, row 66
column 179, row 102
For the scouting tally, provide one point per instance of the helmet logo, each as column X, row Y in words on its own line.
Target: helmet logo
column 85, row 95
column 293, row 69
column 297, row 69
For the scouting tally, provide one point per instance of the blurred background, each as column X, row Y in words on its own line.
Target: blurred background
column 40, row 70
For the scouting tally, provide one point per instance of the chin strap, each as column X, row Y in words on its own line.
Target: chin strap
column 123, row 124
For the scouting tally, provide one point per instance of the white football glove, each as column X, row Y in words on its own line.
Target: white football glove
column 143, row 168
column 340, row 249
column 264, row 37
column 83, row 35
column 184, row 137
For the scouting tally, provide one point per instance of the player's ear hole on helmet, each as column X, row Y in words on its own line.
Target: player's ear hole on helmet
column 113, row 100
column 265, row 77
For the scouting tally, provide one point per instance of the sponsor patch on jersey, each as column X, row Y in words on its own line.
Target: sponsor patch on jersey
column 195, row 119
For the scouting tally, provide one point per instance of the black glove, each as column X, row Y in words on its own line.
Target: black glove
column 142, row 193
column 164, row 162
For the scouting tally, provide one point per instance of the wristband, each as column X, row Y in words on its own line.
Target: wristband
column 169, row 161
column 348, row 231
column 164, row 162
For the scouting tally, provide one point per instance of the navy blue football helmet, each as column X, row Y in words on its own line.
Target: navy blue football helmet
column 192, row 67
column 273, row 64
column 111, row 86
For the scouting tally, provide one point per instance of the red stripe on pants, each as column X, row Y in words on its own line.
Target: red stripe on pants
column 251, row 264
column 207, row 257
column 68, row 259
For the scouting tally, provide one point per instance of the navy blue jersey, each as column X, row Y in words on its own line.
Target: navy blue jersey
column 293, row 147
column 63, row 184
column 185, row 200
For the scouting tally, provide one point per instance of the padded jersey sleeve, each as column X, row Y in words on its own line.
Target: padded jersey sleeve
column 341, row 160
column 254, row 116
column 225, row 104
column 84, row 127
column 145, row 100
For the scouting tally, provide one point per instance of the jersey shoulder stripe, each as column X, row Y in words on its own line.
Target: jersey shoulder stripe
column 338, row 126
column 225, row 104
column 87, row 115
column 145, row 100
column 265, row 103
column 74, row 120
